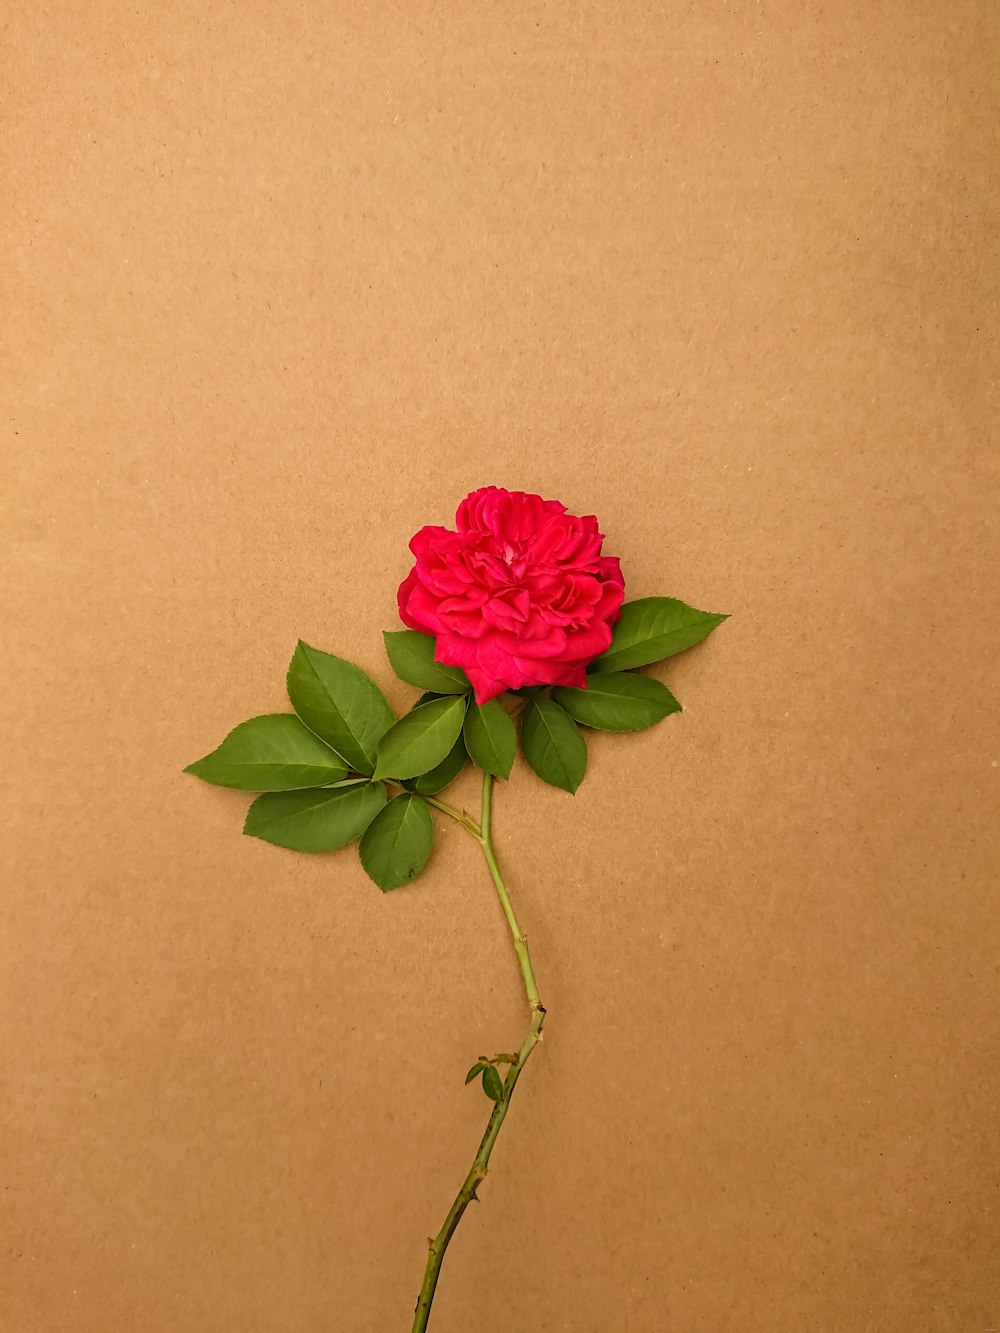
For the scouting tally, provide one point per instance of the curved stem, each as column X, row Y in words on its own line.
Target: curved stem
column 480, row 1164
column 517, row 934
column 459, row 816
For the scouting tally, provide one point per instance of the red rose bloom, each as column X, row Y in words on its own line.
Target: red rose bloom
column 519, row 595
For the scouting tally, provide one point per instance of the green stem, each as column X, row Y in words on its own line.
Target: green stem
column 465, row 820
column 480, row 1164
column 517, row 934
column 460, row 816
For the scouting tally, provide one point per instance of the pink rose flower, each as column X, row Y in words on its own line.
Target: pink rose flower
column 519, row 595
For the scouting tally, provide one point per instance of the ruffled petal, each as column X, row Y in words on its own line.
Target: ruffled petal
column 403, row 599
column 518, row 594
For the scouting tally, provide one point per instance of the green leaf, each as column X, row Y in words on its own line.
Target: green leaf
column 653, row 628
column 618, row 701
column 476, row 1068
column 552, row 744
column 491, row 1084
column 419, row 741
column 397, row 842
column 429, row 784
column 340, row 703
column 271, row 753
column 490, row 737
column 412, row 656
column 315, row 821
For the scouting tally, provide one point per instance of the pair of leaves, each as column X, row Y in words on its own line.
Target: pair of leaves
column 430, row 744
column 419, row 744
column 552, row 741
column 396, row 835
column 649, row 630
column 341, row 717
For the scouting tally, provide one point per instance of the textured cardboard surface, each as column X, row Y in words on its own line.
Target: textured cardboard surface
column 284, row 282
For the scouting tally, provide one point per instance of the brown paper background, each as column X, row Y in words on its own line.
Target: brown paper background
column 283, row 282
